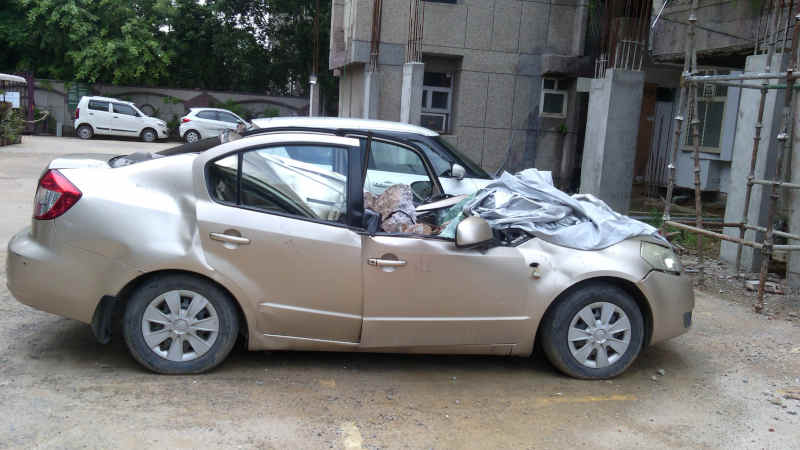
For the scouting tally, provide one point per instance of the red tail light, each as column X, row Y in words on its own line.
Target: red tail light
column 186, row 119
column 54, row 196
column 77, row 112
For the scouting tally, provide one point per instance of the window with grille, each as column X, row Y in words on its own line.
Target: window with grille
column 554, row 98
column 711, row 113
column 437, row 101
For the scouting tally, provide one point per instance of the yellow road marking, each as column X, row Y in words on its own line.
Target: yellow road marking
column 546, row 401
column 328, row 383
column 352, row 437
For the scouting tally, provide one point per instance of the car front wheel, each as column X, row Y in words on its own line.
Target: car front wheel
column 149, row 135
column 593, row 332
column 180, row 325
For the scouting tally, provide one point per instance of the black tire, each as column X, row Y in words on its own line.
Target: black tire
column 149, row 135
column 556, row 323
column 193, row 134
column 223, row 304
column 84, row 132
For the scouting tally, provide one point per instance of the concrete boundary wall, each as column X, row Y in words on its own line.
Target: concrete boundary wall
column 165, row 103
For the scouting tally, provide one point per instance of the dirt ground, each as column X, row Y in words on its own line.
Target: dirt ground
column 732, row 382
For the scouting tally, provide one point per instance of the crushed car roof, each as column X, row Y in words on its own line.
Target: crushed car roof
column 343, row 123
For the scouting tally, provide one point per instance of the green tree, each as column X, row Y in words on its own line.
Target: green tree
column 248, row 45
column 289, row 32
column 96, row 40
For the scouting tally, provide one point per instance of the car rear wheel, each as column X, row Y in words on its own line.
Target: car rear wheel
column 85, row 132
column 593, row 332
column 149, row 135
column 180, row 324
column 191, row 136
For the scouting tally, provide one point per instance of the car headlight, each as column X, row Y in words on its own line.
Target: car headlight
column 661, row 258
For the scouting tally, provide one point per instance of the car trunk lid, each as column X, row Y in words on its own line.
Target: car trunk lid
column 81, row 160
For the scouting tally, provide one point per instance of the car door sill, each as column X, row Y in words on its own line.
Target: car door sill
column 280, row 342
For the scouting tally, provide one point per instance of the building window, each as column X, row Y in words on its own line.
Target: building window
column 711, row 112
column 437, row 101
column 554, row 98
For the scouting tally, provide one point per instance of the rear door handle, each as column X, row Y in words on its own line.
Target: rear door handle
column 386, row 262
column 222, row 237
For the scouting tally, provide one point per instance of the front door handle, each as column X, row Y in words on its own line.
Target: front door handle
column 386, row 262
column 222, row 237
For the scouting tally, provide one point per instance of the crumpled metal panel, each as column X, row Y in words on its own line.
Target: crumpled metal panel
column 528, row 201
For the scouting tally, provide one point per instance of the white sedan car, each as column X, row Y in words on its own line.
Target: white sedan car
column 202, row 123
column 457, row 174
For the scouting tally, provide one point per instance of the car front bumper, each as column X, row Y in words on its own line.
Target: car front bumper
column 671, row 299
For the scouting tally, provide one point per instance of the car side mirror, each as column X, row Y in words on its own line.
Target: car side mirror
column 473, row 232
column 458, row 171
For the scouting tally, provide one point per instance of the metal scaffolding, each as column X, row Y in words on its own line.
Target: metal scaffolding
column 775, row 31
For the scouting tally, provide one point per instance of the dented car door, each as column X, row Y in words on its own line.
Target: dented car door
column 423, row 292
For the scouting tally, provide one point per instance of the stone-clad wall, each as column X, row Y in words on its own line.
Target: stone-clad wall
column 498, row 50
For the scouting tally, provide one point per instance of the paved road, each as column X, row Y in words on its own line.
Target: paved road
column 722, row 388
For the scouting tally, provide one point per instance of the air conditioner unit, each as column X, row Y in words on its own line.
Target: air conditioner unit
column 434, row 121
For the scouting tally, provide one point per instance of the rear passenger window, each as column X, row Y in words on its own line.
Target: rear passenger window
column 308, row 181
column 97, row 105
column 225, row 117
column 121, row 108
column 210, row 115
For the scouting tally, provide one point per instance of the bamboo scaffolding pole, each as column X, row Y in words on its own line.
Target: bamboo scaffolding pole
column 785, row 139
column 725, row 237
column 756, row 143
column 694, row 120
column 698, row 193
column 743, row 77
column 782, row 234
column 783, row 184
column 688, row 103
column 682, row 100
column 721, row 236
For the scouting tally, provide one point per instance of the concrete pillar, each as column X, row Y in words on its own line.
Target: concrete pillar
column 793, row 196
column 411, row 96
column 612, row 127
column 740, row 164
column 372, row 95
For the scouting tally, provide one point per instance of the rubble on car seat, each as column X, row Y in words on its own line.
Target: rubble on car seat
column 396, row 207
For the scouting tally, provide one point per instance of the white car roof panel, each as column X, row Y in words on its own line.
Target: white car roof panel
column 341, row 122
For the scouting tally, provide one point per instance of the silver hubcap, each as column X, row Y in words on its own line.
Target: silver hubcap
column 180, row 325
column 149, row 136
column 599, row 335
column 191, row 137
column 84, row 133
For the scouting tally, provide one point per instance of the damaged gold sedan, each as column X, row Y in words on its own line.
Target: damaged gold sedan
column 338, row 240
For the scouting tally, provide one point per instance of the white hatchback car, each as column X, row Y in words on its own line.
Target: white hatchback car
column 114, row 117
column 203, row 123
